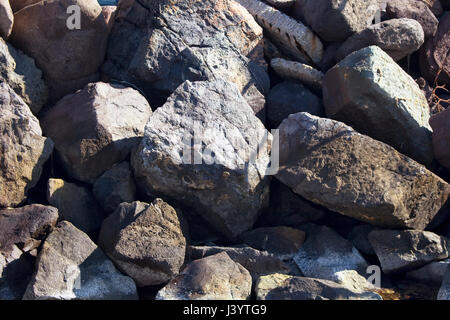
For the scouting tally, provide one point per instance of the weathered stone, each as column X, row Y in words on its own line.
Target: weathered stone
column 432, row 273
column 191, row 40
column 413, row 9
column 440, row 123
column 335, row 20
column 444, row 291
column 69, row 58
column 371, row 93
column 285, row 287
column 6, row 19
column 397, row 37
column 298, row 71
column 225, row 182
column 96, row 128
column 23, row 149
column 290, row 97
column 70, row 266
column 258, row 263
column 76, row 204
column 290, row 35
column 280, row 241
column 329, row 163
column 20, row 72
column 215, row 277
column 145, row 241
column 400, row 251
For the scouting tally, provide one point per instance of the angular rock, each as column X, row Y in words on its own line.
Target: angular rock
column 329, row 163
column 325, row 255
column 215, row 277
column 279, row 241
column 432, row 273
column 371, row 93
column 397, row 37
column 292, row 36
column 96, row 128
column 115, row 186
column 6, row 19
column 70, row 266
column 335, row 20
column 413, row 9
column 145, row 241
column 20, row 72
column 23, row 149
column 290, row 97
column 298, row 71
column 440, row 123
column 434, row 58
column 69, row 58
column 225, row 181
column 285, row 287
column 258, row 263
column 444, row 291
column 404, row 250
column 76, row 204
column 191, row 40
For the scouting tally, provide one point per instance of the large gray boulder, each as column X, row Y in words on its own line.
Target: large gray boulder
column 199, row 150
column 23, row 149
column 96, row 127
column 371, row 93
column 331, row 164
column 70, row 266
column 145, row 241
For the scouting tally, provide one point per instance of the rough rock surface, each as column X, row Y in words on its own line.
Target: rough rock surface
column 76, row 204
column 20, row 72
column 6, row 19
column 335, row 20
column 23, row 149
column 225, row 180
column 444, row 291
column 400, row 251
column 145, row 241
column 96, row 127
column 285, row 287
column 215, row 277
column 440, row 123
column 69, row 58
column 70, row 266
column 298, row 71
column 397, row 37
column 115, row 186
column 329, row 163
column 372, row 94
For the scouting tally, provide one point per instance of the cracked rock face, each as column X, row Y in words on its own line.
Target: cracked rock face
column 329, row 163
column 199, row 150
column 23, row 149
column 187, row 40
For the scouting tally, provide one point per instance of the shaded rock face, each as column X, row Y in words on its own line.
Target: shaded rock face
column 199, row 150
column 6, row 19
column 417, row 10
column 21, row 74
column 329, row 163
column 16, row 5
column 115, row 186
column 335, row 20
column 145, row 241
column 23, row 149
column 434, row 54
column 290, row 97
column 215, row 277
column 358, row 236
column 432, row 273
column 96, row 128
column 400, row 251
column 371, row 93
column 441, row 137
column 187, row 40
column 70, row 266
column 76, row 204
column 397, row 37
column 285, row 287
column 69, row 58
column 444, row 291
